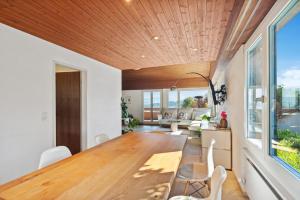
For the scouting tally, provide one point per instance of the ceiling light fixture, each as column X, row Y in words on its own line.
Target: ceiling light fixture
column 195, row 49
column 155, row 38
column 143, row 56
column 137, row 69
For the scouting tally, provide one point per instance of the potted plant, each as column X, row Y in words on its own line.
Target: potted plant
column 125, row 115
column 205, row 121
column 133, row 123
column 206, row 118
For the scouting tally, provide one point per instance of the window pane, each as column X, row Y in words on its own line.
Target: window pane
column 285, row 89
column 156, row 105
column 254, row 119
column 172, row 99
column 147, row 99
column 147, row 106
column 193, row 98
column 156, row 99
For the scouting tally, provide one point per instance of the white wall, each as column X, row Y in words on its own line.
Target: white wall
column 234, row 77
column 27, row 77
column 135, row 107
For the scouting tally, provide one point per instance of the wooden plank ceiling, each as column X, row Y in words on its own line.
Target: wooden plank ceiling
column 240, row 27
column 166, row 77
column 126, row 34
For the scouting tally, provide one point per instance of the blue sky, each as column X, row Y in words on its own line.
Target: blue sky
column 288, row 53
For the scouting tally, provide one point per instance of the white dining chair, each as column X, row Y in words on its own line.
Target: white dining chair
column 218, row 177
column 197, row 172
column 101, row 138
column 53, row 155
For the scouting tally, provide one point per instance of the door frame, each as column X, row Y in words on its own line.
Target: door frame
column 83, row 103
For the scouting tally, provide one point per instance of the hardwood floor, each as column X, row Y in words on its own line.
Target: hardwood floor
column 192, row 153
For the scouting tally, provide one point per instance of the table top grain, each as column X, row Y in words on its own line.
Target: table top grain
column 135, row 166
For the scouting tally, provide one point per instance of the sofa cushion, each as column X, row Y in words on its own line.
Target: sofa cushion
column 182, row 115
column 169, row 113
column 185, row 113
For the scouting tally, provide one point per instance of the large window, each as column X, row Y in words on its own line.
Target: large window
column 193, row 98
column 188, row 98
column 255, row 94
column 285, row 88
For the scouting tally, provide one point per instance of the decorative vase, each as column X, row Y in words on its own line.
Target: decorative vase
column 223, row 123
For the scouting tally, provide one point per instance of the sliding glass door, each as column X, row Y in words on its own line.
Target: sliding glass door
column 152, row 106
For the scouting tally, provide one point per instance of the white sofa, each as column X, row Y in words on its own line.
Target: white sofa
column 185, row 117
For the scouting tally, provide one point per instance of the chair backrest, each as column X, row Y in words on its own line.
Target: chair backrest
column 53, row 155
column 101, row 138
column 210, row 158
column 217, row 180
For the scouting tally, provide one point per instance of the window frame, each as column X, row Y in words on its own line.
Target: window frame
column 254, row 142
column 271, row 86
column 286, row 182
column 151, row 104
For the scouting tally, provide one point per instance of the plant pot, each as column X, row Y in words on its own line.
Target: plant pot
column 126, row 121
column 204, row 124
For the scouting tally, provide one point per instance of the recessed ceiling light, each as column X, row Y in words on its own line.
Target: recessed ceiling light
column 143, row 56
column 194, row 49
column 155, row 38
column 128, row 1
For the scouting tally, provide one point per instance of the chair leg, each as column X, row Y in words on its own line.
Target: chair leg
column 197, row 190
column 186, row 187
column 208, row 184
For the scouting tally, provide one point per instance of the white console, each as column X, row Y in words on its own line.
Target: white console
column 222, row 147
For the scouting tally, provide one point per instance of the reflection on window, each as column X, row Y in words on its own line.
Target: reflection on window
column 255, row 95
column 285, row 89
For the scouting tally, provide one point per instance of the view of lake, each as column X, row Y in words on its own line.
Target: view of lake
column 290, row 121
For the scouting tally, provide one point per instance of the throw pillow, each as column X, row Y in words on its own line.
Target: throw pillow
column 167, row 115
column 182, row 115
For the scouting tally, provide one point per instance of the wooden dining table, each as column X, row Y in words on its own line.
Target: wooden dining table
column 135, row 166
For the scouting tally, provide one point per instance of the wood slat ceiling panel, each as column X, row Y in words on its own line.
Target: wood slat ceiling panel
column 245, row 18
column 120, row 32
column 165, row 77
column 172, row 72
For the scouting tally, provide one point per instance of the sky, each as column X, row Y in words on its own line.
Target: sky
column 288, row 53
